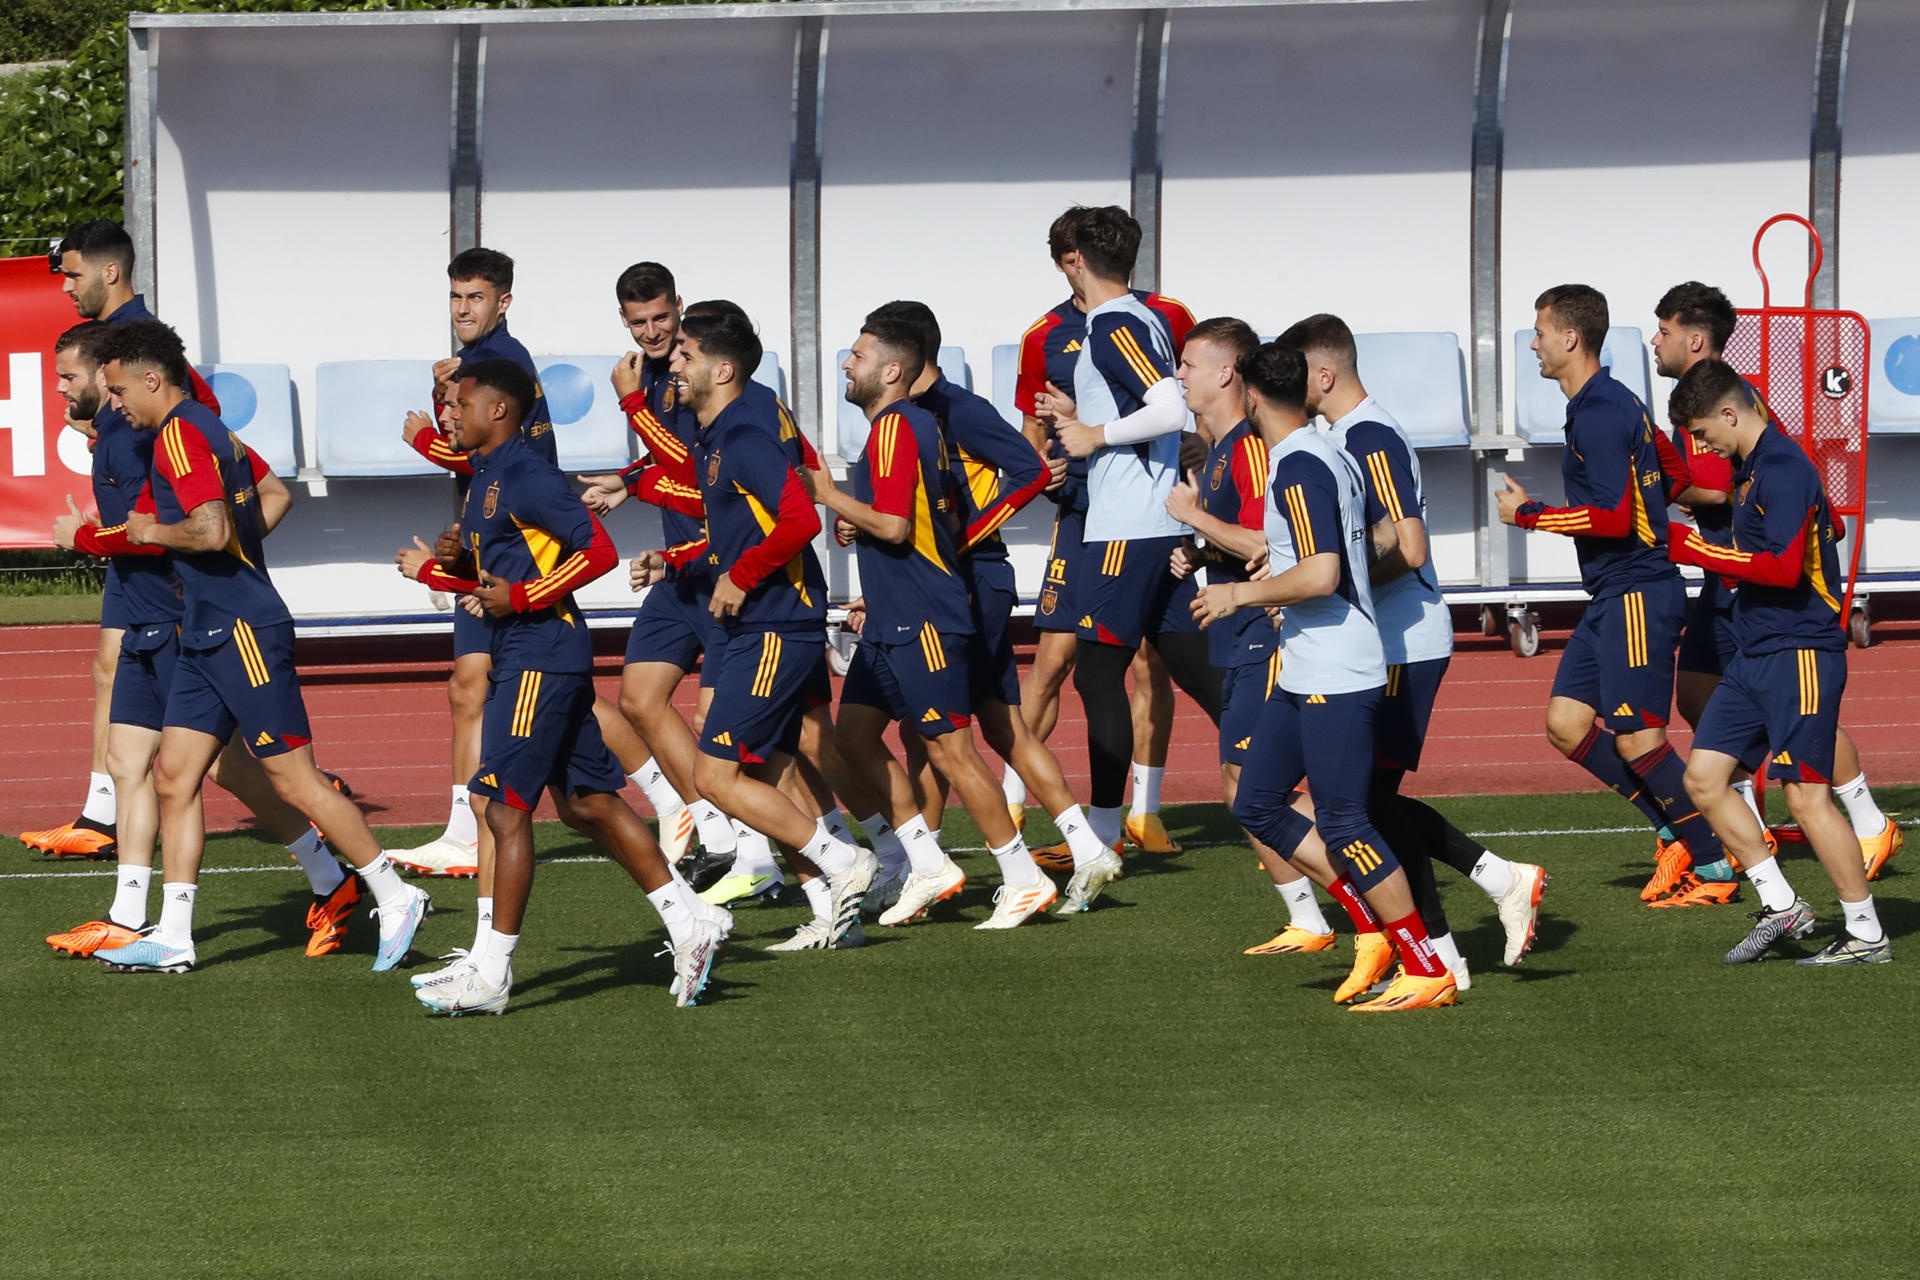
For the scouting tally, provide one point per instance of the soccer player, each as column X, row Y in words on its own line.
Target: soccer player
column 529, row 544
column 235, row 670
column 95, row 261
column 1695, row 322
column 1614, row 688
column 150, row 594
column 911, row 665
column 1416, row 632
column 1778, row 701
column 1129, row 423
column 1048, row 351
column 1319, row 724
column 769, row 605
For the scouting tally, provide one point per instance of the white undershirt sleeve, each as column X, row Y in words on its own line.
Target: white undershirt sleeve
column 1165, row 412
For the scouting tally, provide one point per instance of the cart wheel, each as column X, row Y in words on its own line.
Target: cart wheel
column 1489, row 621
column 1523, row 633
column 1860, row 625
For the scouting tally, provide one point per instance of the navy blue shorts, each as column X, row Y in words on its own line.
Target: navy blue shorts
column 539, row 731
column 1619, row 660
column 1243, row 691
column 470, row 634
column 113, row 605
column 1707, row 644
column 144, row 676
column 766, row 681
column 672, row 624
column 1056, row 610
column 922, row 683
column 991, row 666
column 1128, row 592
column 1400, row 726
column 1327, row 739
column 248, row 684
column 1781, row 709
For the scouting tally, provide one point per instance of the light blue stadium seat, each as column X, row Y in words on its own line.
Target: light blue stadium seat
column 1421, row 379
column 1540, row 411
column 769, row 374
column 588, row 427
column 1893, row 386
column 1006, row 374
column 361, row 406
column 256, row 403
column 853, row 424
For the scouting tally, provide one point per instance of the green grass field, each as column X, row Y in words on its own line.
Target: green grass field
column 1120, row 1094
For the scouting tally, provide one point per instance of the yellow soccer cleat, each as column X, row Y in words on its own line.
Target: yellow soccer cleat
column 1878, row 849
column 1408, row 992
column 1671, row 860
column 94, row 935
column 1372, row 957
column 1148, row 834
column 1292, row 940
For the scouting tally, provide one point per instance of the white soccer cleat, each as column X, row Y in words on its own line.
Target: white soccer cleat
column 1519, row 909
column 454, row 958
column 1089, row 880
column 814, row 935
column 445, row 857
column 460, row 989
column 922, row 891
column 719, row 917
column 848, row 887
column 676, row 834
column 398, row 925
column 693, row 962
column 1013, row 907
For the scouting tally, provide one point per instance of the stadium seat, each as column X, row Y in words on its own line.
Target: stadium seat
column 1893, row 386
column 256, row 403
column 1006, row 372
column 769, row 375
column 361, row 406
column 853, row 423
column 1421, row 379
column 1540, row 411
column 588, row 427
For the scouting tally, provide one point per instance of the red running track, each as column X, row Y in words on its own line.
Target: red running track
column 379, row 718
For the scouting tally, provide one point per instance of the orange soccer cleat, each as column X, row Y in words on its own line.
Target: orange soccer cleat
column 1148, row 834
column 1409, row 992
column 94, row 935
column 1878, row 849
column 328, row 916
column 1372, row 957
column 1292, row 940
column 81, row 838
column 1671, row 860
column 1692, row 891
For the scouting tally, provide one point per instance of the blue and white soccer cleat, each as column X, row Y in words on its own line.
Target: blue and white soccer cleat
column 397, row 927
column 147, row 955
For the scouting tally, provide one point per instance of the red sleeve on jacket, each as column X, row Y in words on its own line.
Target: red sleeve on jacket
column 1780, row 568
column 432, row 444
column 656, row 485
column 682, row 554
column 433, row 575
column 572, row 573
column 988, row 522
column 665, row 448
column 183, row 458
column 259, row 465
column 1673, row 466
column 797, row 524
column 1250, row 480
column 1597, row 522
column 808, row 457
column 1031, row 376
column 112, row 540
column 201, row 390
column 894, row 458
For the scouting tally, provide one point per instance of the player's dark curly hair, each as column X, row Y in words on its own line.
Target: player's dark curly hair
column 491, row 265
column 1705, row 387
column 901, row 338
column 723, row 330
column 148, row 342
column 917, row 315
column 643, row 282
column 89, row 337
column 1699, row 306
column 1108, row 240
column 1278, row 372
column 1580, row 307
column 504, row 378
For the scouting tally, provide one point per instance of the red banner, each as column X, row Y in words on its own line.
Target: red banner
column 41, row 462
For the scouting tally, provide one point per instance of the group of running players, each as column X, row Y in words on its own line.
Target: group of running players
column 1174, row 450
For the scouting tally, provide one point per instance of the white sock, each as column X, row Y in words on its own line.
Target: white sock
column 1863, row 922
column 1013, row 787
column 1303, row 910
column 819, row 897
column 496, row 955
column 102, row 804
column 324, row 872
column 1771, row 884
column 673, row 901
column 1493, row 873
column 1868, row 821
column 461, row 826
column 653, row 784
column 1017, row 867
column 753, row 854
column 389, row 890
column 837, row 823
column 924, row 853
column 886, row 843
column 1078, row 832
column 716, row 829
column 1443, row 946
column 176, row 914
column 130, row 896
column 1146, row 787
column 482, row 928
column 1105, row 824
column 1744, row 789
column 830, row 855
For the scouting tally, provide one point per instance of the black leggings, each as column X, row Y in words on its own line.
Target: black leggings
column 1392, row 816
column 1100, row 676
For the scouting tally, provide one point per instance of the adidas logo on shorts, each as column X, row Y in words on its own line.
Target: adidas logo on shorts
column 264, row 739
column 931, row 717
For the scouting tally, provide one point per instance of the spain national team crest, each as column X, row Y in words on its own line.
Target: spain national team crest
column 1218, row 473
column 713, row 470
column 1048, row 599
column 669, row 396
column 492, row 504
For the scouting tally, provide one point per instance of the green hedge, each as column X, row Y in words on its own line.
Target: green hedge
column 61, row 127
